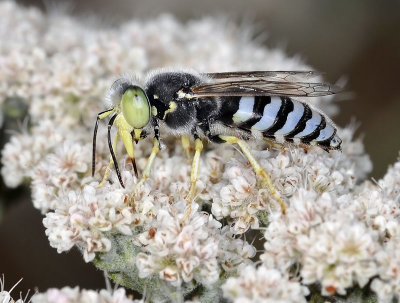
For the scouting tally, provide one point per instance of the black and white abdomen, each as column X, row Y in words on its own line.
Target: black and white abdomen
column 281, row 119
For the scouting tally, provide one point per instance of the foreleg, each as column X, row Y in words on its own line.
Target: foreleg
column 100, row 116
column 110, row 163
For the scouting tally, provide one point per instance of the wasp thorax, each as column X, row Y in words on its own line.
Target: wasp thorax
column 135, row 107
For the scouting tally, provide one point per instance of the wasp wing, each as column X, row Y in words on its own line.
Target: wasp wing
column 263, row 83
column 284, row 76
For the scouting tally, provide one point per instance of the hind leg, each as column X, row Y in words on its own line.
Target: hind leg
column 257, row 168
column 273, row 144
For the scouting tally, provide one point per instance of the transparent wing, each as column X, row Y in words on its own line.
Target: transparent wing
column 263, row 83
column 284, row 76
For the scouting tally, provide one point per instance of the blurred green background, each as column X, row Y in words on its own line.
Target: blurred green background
column 359, row 40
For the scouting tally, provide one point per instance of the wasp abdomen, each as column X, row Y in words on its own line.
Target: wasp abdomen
column 282, row 119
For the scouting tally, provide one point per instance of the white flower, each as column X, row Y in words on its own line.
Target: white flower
column 75, row 295
column 263, row 285
column 180, row 251
column 332, row 248
column 337, row 254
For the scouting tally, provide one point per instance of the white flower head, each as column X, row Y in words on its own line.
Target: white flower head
column 263, row 285
column 76, row 295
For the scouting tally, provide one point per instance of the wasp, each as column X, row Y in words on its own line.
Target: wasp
column 227, row 107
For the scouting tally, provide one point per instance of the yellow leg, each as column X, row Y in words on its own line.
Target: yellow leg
column 146, row 172
column 106, row 114
column 110, row 163
column 186, row 145
column 125, row 130
column 272, row 144
column 195, row 169
column 257, row 168
column 193, row 177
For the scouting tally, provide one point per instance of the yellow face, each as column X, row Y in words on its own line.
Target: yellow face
column 135, row 107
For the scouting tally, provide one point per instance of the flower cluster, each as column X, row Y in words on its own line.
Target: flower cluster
column 340, row 240
column 180, row 251
column 68, row 294
column 261, row 285
column 340, row 232
column 242, row 202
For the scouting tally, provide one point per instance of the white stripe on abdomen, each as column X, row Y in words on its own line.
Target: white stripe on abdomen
column 325, row 133
column 311, row 125
column 269, row 115
column 245, row 110
column 292, row 119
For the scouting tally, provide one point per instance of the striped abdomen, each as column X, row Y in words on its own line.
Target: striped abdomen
column 281, row 119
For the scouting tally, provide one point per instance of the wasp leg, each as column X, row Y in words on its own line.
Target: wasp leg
column 110, row 124
column 133, row 161
column 306, row 147
column 125, row 132
column 193, row 176
column 195, row 169
column 143, row 135
column 146, row 173
column 147, row 169
column 110, row 163
column 271, row 144
column 100, row 116
column 257, row 168
column 186, row 145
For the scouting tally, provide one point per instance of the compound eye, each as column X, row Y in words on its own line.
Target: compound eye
column 135, row 107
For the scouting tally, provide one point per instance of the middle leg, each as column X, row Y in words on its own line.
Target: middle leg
column 195, row 168
column 186, row 145
column 150, row 161
column 193, row 175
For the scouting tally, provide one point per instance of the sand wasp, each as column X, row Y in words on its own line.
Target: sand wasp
column 228, row 107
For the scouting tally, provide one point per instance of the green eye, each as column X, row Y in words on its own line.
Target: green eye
column 135, row 107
